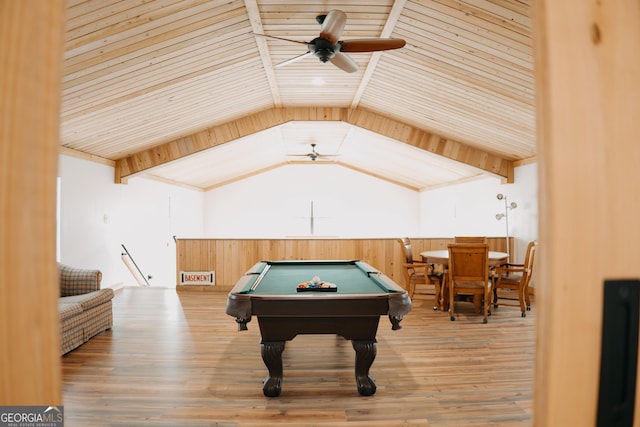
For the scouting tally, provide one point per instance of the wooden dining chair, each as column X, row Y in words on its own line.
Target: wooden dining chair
column 470, row 239
column 414, row 271
column 469, row 274
column 515, row 277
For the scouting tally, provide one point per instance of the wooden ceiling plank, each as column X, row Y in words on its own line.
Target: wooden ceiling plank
column 100, row 25
column 492, row 28
column 456, row 13
column 472, row 72
column 179, row 82
column 90, row 10
column 451, row 99
column 468, row 102
column 158, row 55
column 392, row 20
column 440, row 47
column 162, row 31
column 143, row 116
column 145, row 81
column 478, row 93
column 139, row 133
column 501, row 11
column 462, row 39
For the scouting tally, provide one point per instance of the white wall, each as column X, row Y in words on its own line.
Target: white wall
column 470, row 209
column 97, row 216
column 278, row 203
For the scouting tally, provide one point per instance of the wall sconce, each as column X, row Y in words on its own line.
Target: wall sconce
column 505, row 215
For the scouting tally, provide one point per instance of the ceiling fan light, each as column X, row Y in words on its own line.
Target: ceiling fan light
column 322, row 48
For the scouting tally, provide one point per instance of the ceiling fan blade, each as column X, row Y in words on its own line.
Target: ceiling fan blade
column 294, row 59
column 333, row 25
column 370, row 45
column 279, row 38
column 343, row 62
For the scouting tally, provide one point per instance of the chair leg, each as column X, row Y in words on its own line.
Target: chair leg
column 452, row 314
column 521, row 297
column 527, row 297
column 487, row 302
column 412, row 288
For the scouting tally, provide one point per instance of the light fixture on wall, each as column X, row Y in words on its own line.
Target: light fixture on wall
column 507, row 207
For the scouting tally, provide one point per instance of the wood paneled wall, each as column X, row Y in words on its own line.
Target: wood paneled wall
column 231, row 258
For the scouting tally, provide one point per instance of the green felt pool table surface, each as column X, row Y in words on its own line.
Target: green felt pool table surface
column 269, row 288
column 283, row 277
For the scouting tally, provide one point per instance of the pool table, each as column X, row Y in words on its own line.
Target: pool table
column 351, row 309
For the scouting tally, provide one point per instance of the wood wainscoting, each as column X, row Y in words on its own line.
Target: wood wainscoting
column 229, row 259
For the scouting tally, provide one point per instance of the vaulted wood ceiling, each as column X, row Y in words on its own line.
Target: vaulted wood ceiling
column 185, row 92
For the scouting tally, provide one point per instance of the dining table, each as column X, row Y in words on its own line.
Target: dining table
column 441, row 257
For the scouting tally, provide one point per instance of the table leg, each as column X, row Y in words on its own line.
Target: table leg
column 272, row 357
column 365, row 355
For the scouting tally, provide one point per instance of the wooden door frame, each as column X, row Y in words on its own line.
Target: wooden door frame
column 588, row 122
column 31, row 51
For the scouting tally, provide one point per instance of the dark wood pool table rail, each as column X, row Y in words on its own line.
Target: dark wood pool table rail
column 240, row 303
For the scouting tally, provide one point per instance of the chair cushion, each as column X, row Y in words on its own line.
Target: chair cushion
column 512, row 279
column 469, row 284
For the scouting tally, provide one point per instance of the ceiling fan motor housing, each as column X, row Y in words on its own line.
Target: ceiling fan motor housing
column 323, row 48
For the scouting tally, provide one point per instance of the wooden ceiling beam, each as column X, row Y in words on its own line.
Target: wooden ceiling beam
column 256, row 26
column 145, row 160
column 478, row 158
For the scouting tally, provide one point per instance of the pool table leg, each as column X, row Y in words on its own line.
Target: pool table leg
column 365, row 355
column 272, row 357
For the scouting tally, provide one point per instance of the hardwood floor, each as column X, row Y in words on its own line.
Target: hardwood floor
column 178, row 360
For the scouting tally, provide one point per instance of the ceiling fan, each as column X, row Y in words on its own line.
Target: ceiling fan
column 313, row 154
column 329, row 47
